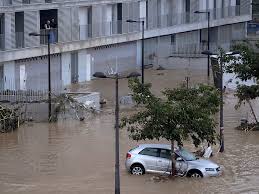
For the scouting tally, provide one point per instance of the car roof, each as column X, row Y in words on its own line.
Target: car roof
column 161, row 146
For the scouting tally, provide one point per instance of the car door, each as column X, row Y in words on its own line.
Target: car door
column 164, row 160
column 181, row 165
column 149, row 157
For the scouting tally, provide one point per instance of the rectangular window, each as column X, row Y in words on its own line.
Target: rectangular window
column 26, row 1
column 237, row 7
column 119, row 17
column 49, row 24
column 187, row 10
column 19, row 29
column 172, row 38
column 1, row 77
column 7, row 2
column 2, row 31
column 165, row 154
column 150, row 152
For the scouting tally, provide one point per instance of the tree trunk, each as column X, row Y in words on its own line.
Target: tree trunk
column 253, row 112
column 173, row 172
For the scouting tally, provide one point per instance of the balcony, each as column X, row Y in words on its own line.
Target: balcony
column 108, row 29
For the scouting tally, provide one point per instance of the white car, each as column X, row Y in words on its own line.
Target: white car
column 156, row 158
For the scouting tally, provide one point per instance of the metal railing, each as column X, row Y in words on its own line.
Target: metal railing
column 11, row 91
column 53, row 36
column 19, row 39
column 197, row 48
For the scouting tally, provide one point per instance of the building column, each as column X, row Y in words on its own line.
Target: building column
column 143, row 12
column 9, row 31
column 138, row 55
column 66, row 68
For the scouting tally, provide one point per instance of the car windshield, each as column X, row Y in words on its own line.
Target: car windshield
column 186, row 155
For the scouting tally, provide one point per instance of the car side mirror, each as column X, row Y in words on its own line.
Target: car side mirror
column 179, row 159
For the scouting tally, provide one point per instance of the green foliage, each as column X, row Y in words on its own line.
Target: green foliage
column 181, row 114
column 246, row 67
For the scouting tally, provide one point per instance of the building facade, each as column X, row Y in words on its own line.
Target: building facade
column 93, row 35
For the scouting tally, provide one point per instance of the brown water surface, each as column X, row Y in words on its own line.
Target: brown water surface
column 78, row 157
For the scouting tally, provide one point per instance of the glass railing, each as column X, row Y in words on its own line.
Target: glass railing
column 19, row 39
column 2, row 42
column 106, row 29
column 53, row 36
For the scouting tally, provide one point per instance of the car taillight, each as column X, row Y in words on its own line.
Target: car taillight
column 128, row 156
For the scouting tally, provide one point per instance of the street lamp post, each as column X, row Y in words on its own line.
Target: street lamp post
column 221, row 114
column 142, row 46
column 117, row 145
column 49, row 72
column 208, row 43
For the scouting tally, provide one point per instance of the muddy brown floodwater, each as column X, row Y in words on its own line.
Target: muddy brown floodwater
column 72, row 157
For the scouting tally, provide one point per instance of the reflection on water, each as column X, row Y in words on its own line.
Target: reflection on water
column 78, row 157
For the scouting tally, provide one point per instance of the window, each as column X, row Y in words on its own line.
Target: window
column 165, row 154
column 187, row 10
column 150, row 152
column 172, row 38
column 26, row 1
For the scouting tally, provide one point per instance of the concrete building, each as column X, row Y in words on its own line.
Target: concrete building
column 93, row 35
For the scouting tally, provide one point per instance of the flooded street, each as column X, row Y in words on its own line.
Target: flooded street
column 72, row 157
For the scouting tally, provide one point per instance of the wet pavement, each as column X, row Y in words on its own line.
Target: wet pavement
column 78, row 157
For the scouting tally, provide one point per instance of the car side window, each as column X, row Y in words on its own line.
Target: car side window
column 150, row 152
column 165, row 153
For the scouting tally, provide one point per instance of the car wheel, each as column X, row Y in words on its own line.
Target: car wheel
column 137, row 169
column 195, row 174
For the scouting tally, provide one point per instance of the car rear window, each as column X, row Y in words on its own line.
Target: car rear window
column 133, row 148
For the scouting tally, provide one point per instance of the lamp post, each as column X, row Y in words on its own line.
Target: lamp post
column 49, row 73
column 142, row 46
column 208, row 44
column 117, row 145
column 221, row 57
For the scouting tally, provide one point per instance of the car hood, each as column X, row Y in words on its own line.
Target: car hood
column 203, row 163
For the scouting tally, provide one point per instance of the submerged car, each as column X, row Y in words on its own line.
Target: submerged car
column 156, row 158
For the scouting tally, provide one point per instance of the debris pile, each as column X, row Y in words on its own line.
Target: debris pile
column 9, row 119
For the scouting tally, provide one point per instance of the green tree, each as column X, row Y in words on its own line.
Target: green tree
column 246, row 67
column 179, row 115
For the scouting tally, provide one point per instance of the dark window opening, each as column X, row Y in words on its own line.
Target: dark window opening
column 172, row 38
column 187, row 10
column 19, row 29
column 165, row 154
column 2, row 31
column 49, row 25
column 119, row 17
column 26, row 1
column 150, row 152
column 237, row 7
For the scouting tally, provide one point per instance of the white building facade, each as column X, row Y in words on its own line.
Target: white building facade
column 93, row 35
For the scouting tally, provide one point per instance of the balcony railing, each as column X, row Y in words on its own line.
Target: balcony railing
column 53, row 36
column 19, row 39
column 196, row 48
column 2, row 42
column 105, row 29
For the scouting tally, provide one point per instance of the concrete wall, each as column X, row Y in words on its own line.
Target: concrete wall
column 37, row 72
column 105, row 58
column 9, row 75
